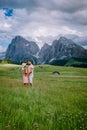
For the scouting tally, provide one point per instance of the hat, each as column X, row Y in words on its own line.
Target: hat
column 24, row 64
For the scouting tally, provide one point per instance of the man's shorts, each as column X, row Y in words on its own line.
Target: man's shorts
column 30, row 79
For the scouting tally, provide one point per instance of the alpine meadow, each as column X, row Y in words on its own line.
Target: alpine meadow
column 54, row 102
column 43, row 64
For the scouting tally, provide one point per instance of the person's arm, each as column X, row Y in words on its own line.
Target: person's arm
column 31, row 69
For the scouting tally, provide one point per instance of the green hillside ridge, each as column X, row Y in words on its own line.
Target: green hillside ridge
column 77, row 63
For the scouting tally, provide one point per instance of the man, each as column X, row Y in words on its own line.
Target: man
column 30, row 72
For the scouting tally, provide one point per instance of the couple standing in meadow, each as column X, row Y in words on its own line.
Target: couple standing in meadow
column 28, row 73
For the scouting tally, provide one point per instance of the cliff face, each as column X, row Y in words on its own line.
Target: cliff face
column 21, row 50
column 61, row 49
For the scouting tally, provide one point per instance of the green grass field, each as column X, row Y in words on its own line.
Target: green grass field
column 53, row 103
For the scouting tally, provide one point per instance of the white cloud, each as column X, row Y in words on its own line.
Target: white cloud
column 5, row 26
column 2, row 49
column 67, row 30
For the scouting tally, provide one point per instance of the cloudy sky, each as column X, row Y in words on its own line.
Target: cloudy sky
column 41, row 20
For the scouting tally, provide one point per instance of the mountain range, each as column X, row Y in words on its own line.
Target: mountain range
column 62, row 52
column 62, row 49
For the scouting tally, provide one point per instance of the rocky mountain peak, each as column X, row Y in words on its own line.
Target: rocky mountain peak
column 45, row 46
column 65, row 40
column 21, row 49
column 18, row 39
column 68, row 43
column 62, row 38
column 62, row 49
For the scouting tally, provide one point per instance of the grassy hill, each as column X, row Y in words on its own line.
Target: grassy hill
column 53, row 103
column 74, row 62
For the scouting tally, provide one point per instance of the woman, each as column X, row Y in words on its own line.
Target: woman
column 25, row 74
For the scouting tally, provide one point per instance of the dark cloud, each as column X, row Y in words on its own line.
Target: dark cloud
column 18, row 3
column 71, row 6
column 63, row 5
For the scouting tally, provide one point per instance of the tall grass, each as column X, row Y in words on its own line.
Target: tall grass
column 53, row 103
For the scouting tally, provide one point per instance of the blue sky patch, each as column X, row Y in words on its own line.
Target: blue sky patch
column 8, row 12
column 4, row 44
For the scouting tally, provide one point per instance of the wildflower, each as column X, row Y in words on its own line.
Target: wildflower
column 36, row 124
